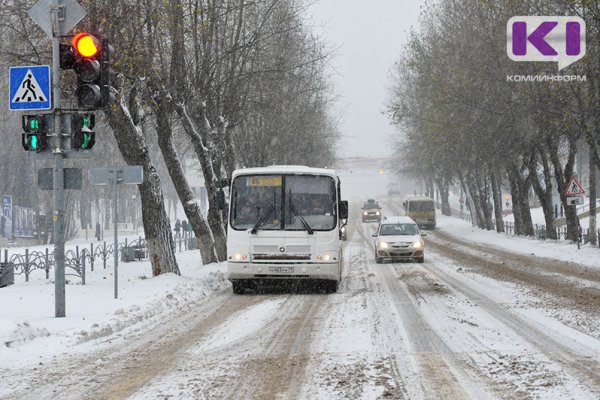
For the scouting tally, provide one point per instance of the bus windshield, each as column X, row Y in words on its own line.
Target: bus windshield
column 284, row 202
column 421, row 205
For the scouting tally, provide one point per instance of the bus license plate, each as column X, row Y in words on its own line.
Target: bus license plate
column 281, row 270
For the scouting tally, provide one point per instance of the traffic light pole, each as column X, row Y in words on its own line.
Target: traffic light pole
column 58, row 178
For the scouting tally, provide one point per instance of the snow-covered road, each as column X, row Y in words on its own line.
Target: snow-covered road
column 472, row 322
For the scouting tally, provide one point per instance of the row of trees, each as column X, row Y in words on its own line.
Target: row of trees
column 465, row 122
column 209, row 85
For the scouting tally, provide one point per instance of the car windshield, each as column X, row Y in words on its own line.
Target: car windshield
column 371, row 206
column 398, row 229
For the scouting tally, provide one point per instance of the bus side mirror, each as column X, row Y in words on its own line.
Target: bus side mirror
column 220, row 200
column 343, row 209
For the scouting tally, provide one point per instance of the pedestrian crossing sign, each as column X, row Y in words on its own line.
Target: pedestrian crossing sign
column 574, row 188
column 29, row 88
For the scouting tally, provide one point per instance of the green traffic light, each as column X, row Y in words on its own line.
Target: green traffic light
column 34, row 124
column 86, row 121
column 86, row 141
column 34, row 142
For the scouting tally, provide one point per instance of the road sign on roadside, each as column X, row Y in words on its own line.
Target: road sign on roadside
column 29, row 88
column 130, row 175
column 574, row 188
column 72, row 178
column 575, row 201
column 70, row 13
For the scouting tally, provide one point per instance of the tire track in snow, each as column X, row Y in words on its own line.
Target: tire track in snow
column 573, row 356
column 440, row 373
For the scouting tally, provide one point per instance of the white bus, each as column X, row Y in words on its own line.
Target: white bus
column 284, row 225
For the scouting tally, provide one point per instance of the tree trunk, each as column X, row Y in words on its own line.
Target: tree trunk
column 469, row 199
column 444, row 190
column 486, row 209
column 475, row 196
column 524, row 187
column 210, row 180
column 593, row 195
column 519, row 188
column 157, row 230
column 514, row 193
column 497, row 197
column 544, row 194
column 563, row 176
column 190, row 203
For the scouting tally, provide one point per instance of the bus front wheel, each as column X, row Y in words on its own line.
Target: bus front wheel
column 332, row 287
column 238, row 287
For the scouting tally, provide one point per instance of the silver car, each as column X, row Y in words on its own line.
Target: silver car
column 399, row 238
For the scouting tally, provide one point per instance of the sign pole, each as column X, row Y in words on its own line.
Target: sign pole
column 128, row 175
column 58, row 186
column 115, row 234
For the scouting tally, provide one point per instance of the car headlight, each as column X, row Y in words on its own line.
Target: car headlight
column 383, row 245
column 377, row 213
column 418, row 244
column 365, row 213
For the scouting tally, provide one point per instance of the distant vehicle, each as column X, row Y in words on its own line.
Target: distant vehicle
column 371, row 211
column 284, row 226
column 421, row 209
column 399, row 238
column 393, row 189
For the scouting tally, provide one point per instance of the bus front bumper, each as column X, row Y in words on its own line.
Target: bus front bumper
column 283, row 271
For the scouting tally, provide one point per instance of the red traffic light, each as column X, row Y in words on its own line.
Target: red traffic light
column 86, row 45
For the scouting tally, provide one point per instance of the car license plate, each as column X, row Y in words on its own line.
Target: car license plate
column 281, row 270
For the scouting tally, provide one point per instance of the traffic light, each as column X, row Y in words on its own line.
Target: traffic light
column 35, row 137
column 89, row 57
column 82, row 135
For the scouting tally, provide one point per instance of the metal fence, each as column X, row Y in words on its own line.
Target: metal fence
column 539, row 230
column 79, row 259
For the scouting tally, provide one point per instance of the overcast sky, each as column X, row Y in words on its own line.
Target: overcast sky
column 368, row 36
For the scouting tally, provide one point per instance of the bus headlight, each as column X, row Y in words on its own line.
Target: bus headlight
column 327, row 257
column 383, row 245
column 239, row 257
column 418, row 244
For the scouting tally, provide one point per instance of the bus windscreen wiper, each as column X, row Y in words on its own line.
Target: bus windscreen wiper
column 304, row 223
column 262, row 220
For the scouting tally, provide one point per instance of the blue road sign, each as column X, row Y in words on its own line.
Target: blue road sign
column 29, row 88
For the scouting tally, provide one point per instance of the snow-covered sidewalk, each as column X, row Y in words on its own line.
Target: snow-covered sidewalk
column 30, row 334
column 561, row 250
